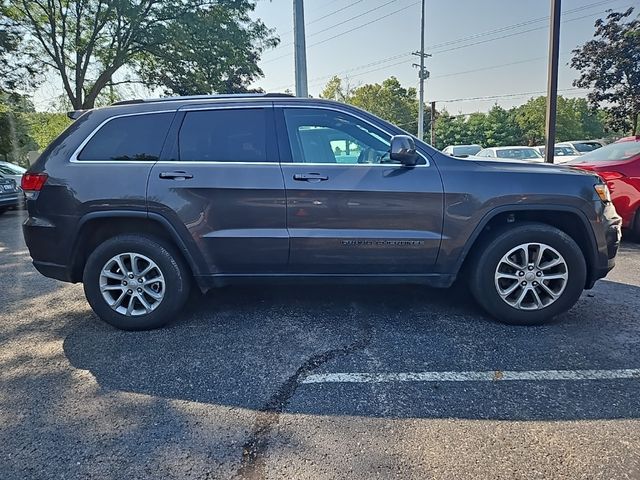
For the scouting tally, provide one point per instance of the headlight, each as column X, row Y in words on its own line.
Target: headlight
column 603, row 192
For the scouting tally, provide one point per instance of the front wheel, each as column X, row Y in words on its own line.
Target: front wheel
column 135, row 282
column 528, row 274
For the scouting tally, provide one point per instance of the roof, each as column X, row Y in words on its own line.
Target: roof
column 175, row 103
column 635, row 138
column 512, row 146
column 202, row 97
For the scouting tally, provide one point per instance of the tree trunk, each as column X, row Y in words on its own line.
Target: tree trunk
column 634, row 123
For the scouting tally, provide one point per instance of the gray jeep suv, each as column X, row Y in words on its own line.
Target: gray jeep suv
column 143, row 200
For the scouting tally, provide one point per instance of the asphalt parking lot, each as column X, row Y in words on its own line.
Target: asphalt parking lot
column 316, row 382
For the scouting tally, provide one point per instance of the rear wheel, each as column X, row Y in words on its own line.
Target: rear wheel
column 135, row 282
column 528, row 274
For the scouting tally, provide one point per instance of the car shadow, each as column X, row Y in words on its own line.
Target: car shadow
column 253, row 347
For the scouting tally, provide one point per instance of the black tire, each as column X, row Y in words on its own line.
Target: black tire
column 482, row 273
column 176, row 277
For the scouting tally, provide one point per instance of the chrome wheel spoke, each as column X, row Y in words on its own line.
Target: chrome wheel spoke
column 144, row 303
column 115, row 304
column 121, row 266
column 509, row 276
column 520, row 298
column 512, row 264
column 152, row 294
column 108, row 288
column 112, row 275
column 146, row 270
column 555, row 276
column 539, row 303
column 552, row 263
column 551, row 293
column 508, row 291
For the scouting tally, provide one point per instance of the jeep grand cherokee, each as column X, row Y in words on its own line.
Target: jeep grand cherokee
column 143, row 200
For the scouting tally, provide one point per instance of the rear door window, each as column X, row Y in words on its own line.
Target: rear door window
column 224, row 135
column 129, row 138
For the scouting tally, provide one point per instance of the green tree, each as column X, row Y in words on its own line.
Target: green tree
column 15, row 68
column 609, row 66
column 501, row 128
column 87, row 41
column 44, row 127
column 531, row 118
column 388, row 100
column 208, row 51
column 335, row 90
column 450, row 130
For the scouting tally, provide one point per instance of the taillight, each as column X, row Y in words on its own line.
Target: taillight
column 33, row 182
column 608, row 176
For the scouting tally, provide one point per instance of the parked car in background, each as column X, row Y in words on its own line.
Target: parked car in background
column 561, row 153
column 619, row 165
column 462, row 150
column 512, row 153
column 10, row 194
column 582, row 146
column 11, row 170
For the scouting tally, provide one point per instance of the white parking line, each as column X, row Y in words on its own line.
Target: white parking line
column 489, row 376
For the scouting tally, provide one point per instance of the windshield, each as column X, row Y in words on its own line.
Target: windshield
column 587, row 146
column 563, row 151
column 10, row 169
column 519, row 153
column 467, row 150
column 614, row 151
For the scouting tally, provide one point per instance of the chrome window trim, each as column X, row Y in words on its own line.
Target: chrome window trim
column 222, row 107
column 74, row 155
column 345, row 112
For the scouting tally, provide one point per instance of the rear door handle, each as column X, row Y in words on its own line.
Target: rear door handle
column 178, row 175
column 309, row 177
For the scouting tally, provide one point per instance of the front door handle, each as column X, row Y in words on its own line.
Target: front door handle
column 309, row 177
column 178, row 175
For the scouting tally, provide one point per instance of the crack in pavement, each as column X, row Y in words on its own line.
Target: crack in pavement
column 254, row 450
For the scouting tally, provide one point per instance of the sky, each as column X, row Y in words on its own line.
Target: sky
column 493, row 49
column 480, row 48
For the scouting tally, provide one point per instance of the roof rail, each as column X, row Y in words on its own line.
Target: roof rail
column 201, row 97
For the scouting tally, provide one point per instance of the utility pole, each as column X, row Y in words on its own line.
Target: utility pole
column 423, row 74
column 300, row 49
column 433, row 123
column 552, row 81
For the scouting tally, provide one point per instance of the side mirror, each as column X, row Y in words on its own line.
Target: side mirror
column 403, row 150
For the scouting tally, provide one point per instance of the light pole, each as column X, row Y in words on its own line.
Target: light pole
column 302, row 89
column 552, row 81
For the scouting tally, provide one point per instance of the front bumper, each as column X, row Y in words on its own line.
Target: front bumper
column 610, row 226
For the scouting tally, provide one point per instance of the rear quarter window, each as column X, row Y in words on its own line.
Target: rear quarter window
column 129, row 138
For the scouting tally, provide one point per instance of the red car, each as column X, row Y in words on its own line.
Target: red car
column 619, row 165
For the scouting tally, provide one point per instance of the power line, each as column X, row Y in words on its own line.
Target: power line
column 407, row 54
column 507, row 95
column 317, row 20
column 340, row 23
column 348, row 31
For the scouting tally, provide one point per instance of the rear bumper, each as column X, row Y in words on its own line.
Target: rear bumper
column 49, row 247
column 53, row 270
